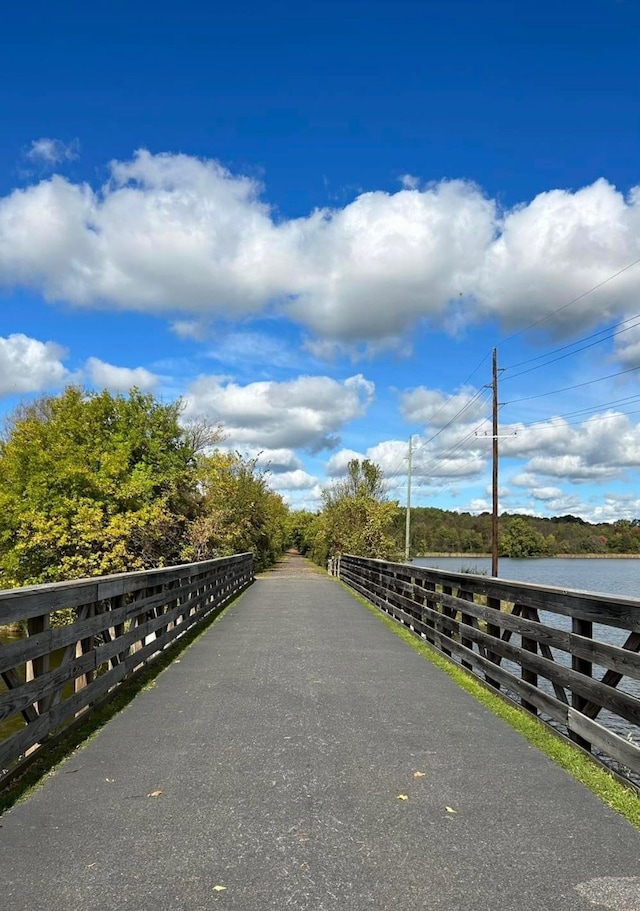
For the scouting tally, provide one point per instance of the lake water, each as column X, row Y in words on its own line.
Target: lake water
column 610, row 576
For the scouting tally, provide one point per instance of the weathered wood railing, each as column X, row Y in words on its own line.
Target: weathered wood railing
column 120, row 623
column 540, row 646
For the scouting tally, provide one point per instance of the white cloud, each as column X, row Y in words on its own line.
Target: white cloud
column 545, row 493
column 430, row 406
column 52, row 152
column 171, row 233
column 277, row 461
column 409, row 182
column 28, row 365
column 478, row 504
column 293, row 480
column 602, row 447
column 373, row 269
column 306, row 412
column 189, row 328
column 119, row 379
column 337, row 465
column 557, row 247
column 627, row 342
column 167, row 232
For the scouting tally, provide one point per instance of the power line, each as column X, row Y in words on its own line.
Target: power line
column 571, row 345
column 399, row 464
column 628, row 400
column 549, row 425
column 599, row 379
column 571, row 302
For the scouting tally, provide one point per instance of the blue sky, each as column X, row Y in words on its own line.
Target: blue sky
column 314, row 222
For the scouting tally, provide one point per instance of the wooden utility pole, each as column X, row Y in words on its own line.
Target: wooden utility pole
column 407, row 529
column 494, row 486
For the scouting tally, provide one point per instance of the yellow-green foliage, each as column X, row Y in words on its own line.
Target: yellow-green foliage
column 92, row 483
column 357, row 518
column 237, row 511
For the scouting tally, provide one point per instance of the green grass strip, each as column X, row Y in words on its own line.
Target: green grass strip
column 621, row 798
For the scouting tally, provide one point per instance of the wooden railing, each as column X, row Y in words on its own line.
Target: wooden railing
column 118, row 625
column 540, row 646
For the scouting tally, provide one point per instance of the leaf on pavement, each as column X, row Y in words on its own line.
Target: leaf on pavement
column 450, row 810
column 219, row 888
column 419, row 774
column 154, row 794
column 402, row 797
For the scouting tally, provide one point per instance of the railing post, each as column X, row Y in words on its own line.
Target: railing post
column 83, row 647
column 465, row 620
column 493, row 630
column 584, row 667
column 529, row 676
column 446, row 612
column 36, row 667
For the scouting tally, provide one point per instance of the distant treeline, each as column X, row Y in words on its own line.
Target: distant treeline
column 440, row 531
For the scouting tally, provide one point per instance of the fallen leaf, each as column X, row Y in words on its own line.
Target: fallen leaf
column 94, row 864
column 450, row 810
column 154, row 794
column 402, row 797
column 108, row 779
column 219, row 888
column 419, row 774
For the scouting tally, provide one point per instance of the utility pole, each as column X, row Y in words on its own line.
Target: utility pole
column 494, row 516
column 407, row 531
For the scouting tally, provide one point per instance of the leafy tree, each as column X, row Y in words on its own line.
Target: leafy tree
column 236, row 511
column 301, row 529
column 520, row 539
column 357, row 518
column 93, row 483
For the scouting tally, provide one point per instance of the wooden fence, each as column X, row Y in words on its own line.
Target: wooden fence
column 119, row 624
column 542, row 647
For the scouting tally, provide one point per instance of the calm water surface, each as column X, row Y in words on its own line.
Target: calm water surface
column 613, row 577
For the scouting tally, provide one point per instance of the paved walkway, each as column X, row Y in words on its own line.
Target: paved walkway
column 270, row 760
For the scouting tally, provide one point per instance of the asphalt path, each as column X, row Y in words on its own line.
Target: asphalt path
column 301, row 756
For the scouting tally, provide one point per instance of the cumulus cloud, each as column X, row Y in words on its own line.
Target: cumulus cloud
column 374, row 268
column 306, row 412
column 545, row 493
column 293, row 480
column 557, row 247
column 119, row 379
column 28, row 365
column 172, row 233
column 166, row 232
column 189, row 328
column 336, row 466
column 51, row 152
column 627, row 342
column 277, row 461
column 603, row 447
column 430, row 406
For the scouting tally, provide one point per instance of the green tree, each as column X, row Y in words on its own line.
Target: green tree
column 93, row 483
column 237, row 511
column 302, row 528
column 357, row 517
column 520, row 539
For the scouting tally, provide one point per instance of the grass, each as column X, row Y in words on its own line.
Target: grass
column 621, row 798
column 34, row 772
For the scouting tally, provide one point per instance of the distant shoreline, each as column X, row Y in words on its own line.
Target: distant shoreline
column 468, row 556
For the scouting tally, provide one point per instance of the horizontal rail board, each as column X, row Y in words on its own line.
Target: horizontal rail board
column 481, row 622
column 122, row 623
